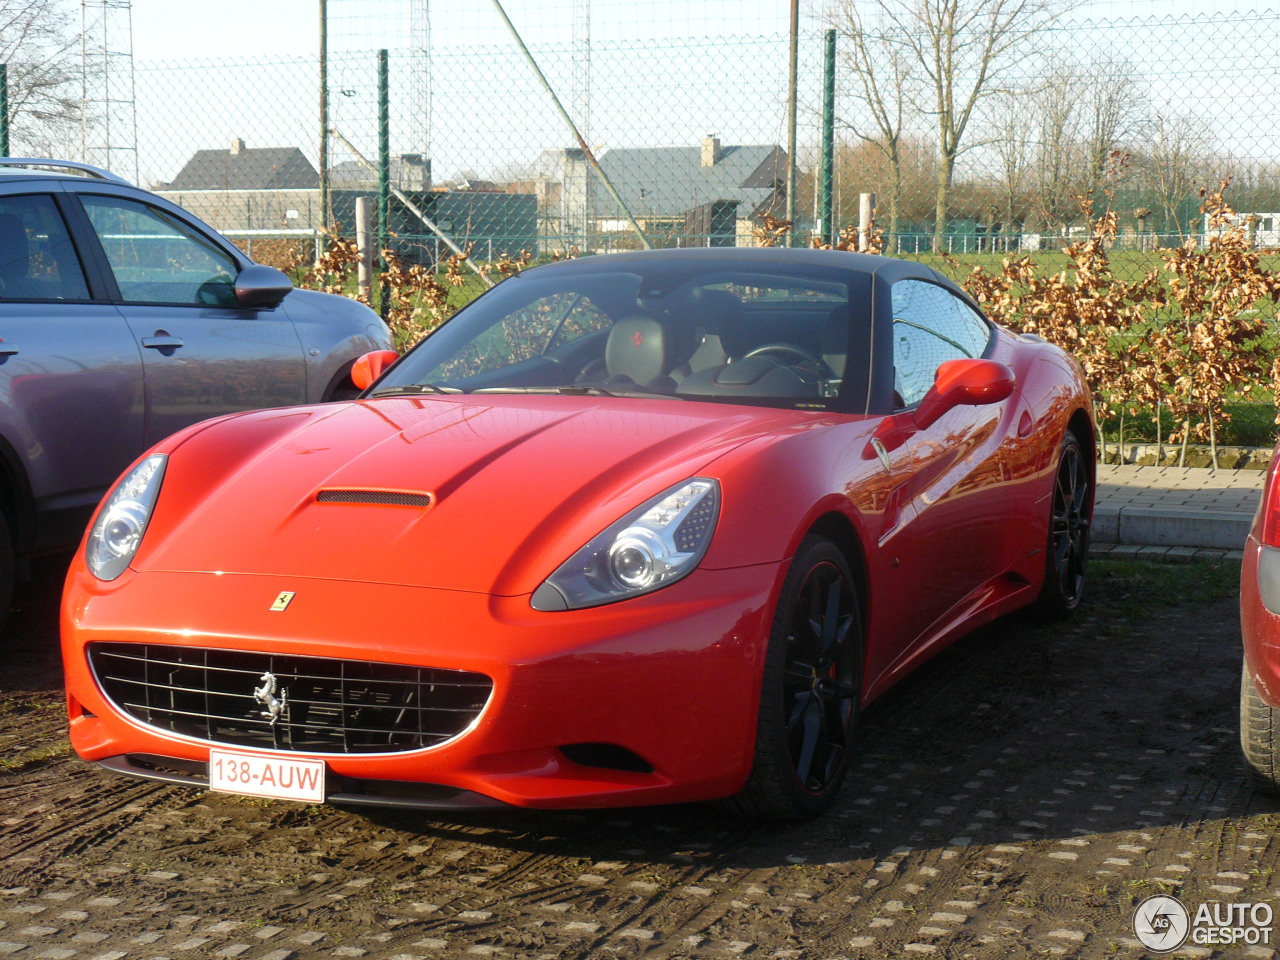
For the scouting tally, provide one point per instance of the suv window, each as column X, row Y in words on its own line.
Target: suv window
column 37, row 261
column 930, row 326
column 156, row 258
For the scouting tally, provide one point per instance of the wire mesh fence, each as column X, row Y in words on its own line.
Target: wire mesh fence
column 682, row 138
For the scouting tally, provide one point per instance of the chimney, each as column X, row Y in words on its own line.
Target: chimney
column 237, row 147
column 710, row 150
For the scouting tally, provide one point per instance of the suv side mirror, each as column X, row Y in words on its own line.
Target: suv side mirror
column 369, row 367
column 964, row 382
column 262, row 287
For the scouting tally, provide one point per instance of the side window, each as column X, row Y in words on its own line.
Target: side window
column 531, row 331
column 930, row 326
column 37, row 260
column 157, row 259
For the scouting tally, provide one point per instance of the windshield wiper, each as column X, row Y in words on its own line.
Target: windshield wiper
column 580, row 390
column 409, row 388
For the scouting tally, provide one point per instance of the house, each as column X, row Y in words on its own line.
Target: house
column 566, row 189
column 243, row 189
column 408, row 171
column 708, row 194
column 1262, row 230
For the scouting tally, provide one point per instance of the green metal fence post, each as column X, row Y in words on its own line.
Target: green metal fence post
column 4, row 109
column 384, row 179
column 826, row 228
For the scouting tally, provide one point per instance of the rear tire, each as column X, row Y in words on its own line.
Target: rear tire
column 810, row 692
column 1067, row 549
column 1259, row 735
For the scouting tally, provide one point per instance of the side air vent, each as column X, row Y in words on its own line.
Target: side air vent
column 390, row 498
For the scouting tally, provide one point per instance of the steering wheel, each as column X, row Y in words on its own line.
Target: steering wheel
column 793, row 353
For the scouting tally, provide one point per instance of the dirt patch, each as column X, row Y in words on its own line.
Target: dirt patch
column 1016, row 798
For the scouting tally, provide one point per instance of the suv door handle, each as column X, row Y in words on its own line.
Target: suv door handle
column 7, row 349
column 162, row 341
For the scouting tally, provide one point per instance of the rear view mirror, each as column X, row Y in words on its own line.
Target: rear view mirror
column 369, row 368
column 262, row 287
column 964, row 382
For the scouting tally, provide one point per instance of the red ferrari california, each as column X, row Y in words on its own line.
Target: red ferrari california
column 628, row 529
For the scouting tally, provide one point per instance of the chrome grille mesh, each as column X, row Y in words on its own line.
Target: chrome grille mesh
column 329, row 706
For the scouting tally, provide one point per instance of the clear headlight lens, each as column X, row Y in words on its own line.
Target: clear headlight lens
column 647, row 549
column 123, row 519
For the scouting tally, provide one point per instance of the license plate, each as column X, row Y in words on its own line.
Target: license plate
column 280, row 778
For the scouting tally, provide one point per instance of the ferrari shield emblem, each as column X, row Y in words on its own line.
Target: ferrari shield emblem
column 282, row 601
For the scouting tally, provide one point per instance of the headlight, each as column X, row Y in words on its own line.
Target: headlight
column 647, row 549
column 123, row 519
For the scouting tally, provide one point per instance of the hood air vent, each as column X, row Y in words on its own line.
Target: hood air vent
column 390, row 498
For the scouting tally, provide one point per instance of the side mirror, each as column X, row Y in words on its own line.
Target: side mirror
column 964, row 382
column 368, row 368
column 261, row 287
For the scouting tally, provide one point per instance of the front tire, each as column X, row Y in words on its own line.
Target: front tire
column 1070, row 519
column 1259, row 735
column 811, row 690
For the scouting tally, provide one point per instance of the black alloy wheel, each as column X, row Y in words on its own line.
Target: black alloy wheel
column 1069, row 525
column 819, row 689
column 811, row 690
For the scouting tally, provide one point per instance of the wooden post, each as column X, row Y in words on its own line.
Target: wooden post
column 866, row 212
column 364, row 243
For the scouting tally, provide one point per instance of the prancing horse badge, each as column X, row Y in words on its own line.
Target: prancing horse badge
column 282, row 601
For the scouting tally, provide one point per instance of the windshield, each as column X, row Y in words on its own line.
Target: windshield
column 673, row 327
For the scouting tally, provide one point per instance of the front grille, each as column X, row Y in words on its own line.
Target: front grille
column 388, row 498
column 320, row 705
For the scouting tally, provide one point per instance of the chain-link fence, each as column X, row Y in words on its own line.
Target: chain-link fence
column 684, row 140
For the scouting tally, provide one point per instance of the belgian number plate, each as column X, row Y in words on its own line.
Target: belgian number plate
column 257, row 776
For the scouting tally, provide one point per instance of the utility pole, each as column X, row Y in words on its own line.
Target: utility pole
column 325, row 217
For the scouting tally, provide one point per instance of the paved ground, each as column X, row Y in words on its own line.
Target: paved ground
column 1174, row 512
column 1016, row 799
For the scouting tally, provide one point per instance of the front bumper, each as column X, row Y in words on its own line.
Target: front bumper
column 672, row 678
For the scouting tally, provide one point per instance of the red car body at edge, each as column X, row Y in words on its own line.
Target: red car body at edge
column 1260, row 627
column 631, row 529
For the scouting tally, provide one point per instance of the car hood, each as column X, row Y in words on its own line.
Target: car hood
column 487, row 494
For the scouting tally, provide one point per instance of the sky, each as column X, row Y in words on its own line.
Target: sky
column 166, row 30
column 218, row 29
column 208, row 72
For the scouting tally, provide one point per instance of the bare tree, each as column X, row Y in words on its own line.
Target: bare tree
column 40, row 45
column 1013, row 146
column 1060, row 155
column 1174, row 163
column 964, row 51
column 1115, row 110
column 882, row 65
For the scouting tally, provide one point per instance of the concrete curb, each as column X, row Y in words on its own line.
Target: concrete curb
column 1133, row 551
column 1165, row 527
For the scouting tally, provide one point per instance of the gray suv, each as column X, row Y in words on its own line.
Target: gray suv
column 122, row 319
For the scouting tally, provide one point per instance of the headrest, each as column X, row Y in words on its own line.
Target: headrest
column 714, row 309
column 636, row 348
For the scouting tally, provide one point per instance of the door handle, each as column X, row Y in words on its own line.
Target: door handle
column 162, row 341
column 7, row 349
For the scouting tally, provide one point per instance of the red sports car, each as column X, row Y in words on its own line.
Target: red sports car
column 1260, row 626
column 629, row 529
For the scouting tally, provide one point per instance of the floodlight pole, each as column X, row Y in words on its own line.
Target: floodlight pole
column 791, row 122
column 573, row 128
